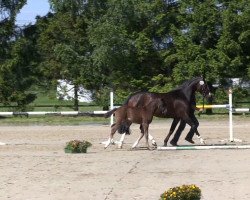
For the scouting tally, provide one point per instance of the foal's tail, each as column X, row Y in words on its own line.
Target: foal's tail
column 124, row 128
column 109, row 113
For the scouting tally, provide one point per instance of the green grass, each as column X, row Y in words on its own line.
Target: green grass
column 52, row 120
column 83, row 120
column 49, row 102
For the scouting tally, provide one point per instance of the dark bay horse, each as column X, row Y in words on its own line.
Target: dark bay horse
column 125, row 116
column 180, row 105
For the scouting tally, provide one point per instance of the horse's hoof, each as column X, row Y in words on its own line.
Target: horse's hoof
column 154, row 144
column 189, row 140
column 172, row 143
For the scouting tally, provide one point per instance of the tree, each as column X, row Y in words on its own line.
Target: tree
column 17, row 66
column 17, row 74
column 64, row 46
column 233, row 45
column 8, row 12
column 129, row 39
column 195, row 38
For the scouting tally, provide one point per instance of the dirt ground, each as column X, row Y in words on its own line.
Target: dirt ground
column 33, row 164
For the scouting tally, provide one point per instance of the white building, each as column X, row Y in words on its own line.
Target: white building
column 65, row 91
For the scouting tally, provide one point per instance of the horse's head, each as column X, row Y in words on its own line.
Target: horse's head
column 203, row 88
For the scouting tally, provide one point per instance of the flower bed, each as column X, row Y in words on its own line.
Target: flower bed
column 184, row 192
column 77, row 146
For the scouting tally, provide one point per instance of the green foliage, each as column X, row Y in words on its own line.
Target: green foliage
column 125, row 45
column 102, row 97
column 18, row 73
column 221, row 96
column 184, row 192
column 161, row 83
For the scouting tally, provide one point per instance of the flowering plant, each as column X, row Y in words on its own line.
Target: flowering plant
column 77, row 146
column 184, row 192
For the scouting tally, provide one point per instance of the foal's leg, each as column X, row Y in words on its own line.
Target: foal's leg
column 145, row 131
column 153, row 142
column 120, row 142
column 173, row 125
column 114, row 128
column 138, row 140
column 145, row 128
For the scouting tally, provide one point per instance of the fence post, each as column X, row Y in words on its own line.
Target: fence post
column 111, row 106
column 230, row 91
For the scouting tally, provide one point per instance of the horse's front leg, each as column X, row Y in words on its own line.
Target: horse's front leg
column 177, row 134
column 153, row 142
column 192, row 131
column 145, row 128
column 138, row 140
column 172, row 128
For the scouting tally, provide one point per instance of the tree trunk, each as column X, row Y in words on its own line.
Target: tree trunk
column 76, row 102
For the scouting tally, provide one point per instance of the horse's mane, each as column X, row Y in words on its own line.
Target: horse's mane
column 187, row 83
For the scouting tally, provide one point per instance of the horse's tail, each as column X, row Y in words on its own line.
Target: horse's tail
column 109, row 113
column 124, row 128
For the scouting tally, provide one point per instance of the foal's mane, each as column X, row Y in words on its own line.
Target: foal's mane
column 133, row 94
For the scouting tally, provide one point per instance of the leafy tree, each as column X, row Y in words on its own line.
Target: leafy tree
column 17, row 74
column 233, row 45
column 129, row 39
column 194, row 38
column 8, row 12
column 17, row 69
column 64, row 46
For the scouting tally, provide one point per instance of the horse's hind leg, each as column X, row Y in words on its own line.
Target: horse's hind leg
column 173, row 126
column 113, row 130
column 120, row 142
column 151, row 138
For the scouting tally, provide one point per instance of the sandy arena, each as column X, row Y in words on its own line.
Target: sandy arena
column 34, row 166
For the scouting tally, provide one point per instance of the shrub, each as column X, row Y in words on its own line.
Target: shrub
column 77, row 146
column 184, row 192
